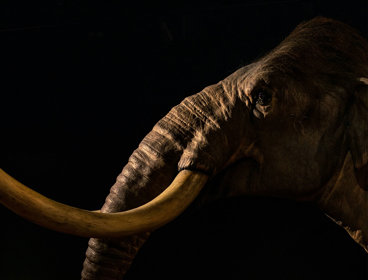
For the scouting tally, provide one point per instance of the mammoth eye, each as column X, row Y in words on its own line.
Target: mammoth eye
column 262, row 97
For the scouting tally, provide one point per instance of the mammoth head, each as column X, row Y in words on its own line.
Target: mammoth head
column 292, row 124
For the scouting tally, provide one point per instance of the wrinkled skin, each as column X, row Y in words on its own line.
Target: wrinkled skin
column 292, row 124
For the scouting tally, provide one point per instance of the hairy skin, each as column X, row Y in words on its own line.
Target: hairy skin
column 308, row 143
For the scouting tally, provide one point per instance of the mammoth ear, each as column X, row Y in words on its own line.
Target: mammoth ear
column 358, row 132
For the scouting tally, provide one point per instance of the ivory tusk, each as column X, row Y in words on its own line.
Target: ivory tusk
column 63, row 218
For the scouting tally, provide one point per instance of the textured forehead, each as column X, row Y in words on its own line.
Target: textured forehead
column 320, row 46
column 317, row 65
column 321, row 58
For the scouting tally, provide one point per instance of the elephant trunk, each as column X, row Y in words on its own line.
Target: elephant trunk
column 188, row 137
column 150, row 167
column 110, row 259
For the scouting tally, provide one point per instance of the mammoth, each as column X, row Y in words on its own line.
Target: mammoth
column 292, row 124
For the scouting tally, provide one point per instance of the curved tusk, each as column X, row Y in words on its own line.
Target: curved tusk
column 63, row 218
column 364, row 80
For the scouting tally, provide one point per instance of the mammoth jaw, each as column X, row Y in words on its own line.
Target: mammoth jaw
column 63, row 218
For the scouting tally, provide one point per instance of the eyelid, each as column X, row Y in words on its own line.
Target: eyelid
column 266, row 94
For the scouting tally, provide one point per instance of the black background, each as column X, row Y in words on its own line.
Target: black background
column 84, row 81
